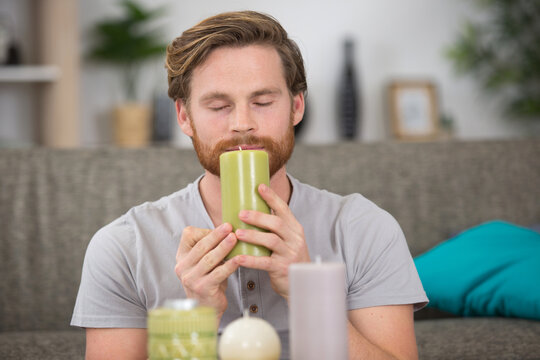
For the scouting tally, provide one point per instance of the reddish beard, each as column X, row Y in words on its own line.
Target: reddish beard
column 279, row 152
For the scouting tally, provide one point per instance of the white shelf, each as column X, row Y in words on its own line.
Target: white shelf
column 29, row 73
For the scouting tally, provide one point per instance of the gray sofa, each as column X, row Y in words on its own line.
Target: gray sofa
column 52, row 202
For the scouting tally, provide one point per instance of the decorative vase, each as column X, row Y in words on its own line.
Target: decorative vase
column 349, row 104
column 163, row 118
column 132, row 125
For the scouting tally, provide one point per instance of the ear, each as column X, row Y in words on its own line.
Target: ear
column 182, row 116
column 298, row 107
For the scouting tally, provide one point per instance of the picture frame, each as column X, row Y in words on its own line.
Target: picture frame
column 414, row 112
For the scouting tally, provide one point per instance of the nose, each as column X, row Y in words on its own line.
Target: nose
column 242, row 120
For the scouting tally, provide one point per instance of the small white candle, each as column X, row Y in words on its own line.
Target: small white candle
column 318, row 314
column 249, row 338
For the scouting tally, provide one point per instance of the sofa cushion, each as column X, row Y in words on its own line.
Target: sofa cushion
column 489, row 270
column 43, row 345
column 478, row 338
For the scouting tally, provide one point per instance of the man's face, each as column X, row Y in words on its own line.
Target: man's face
column 239, row 98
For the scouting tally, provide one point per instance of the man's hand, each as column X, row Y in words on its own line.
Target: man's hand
column 285, row 239
column 200, row 266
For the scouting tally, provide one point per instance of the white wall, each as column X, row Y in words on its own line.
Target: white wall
column 395, row 39
column 17, row 127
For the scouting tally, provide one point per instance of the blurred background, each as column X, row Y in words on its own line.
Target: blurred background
column 57, row 88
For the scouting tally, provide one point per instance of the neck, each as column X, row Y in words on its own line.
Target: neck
column 210, row 189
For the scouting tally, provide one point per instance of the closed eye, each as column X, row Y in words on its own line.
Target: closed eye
column 263, row 103
column 219, row 108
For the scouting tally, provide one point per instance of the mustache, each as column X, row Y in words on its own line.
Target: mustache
column 263, row 141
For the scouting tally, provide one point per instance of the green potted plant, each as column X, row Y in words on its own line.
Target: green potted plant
column 129, row 42
column 503, row 52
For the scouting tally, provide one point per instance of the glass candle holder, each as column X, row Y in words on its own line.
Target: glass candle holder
column 182, row 330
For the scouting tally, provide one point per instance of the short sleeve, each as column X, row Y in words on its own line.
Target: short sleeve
column 380, row 268
column 108, row 295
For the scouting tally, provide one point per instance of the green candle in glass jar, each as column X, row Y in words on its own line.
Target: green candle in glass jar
column 241, row 173
column 182, row 329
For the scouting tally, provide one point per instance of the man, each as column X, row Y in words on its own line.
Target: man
column 237, row 80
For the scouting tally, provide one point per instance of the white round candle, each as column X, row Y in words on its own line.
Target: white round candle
column 318, row 315
column 249, row 338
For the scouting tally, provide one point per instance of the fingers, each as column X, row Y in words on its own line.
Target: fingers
column 190, row 236
column 221, row 273
column 266, row 239
column 200, row 253
column 261, row 220
column 286, row 228
column 211, row 259
column 204, row 285
column 257, row 262
column 283, row 223
column 201, row 250
column 273, row 200
column 210, row 241
column 277, row 269
column 281, row 210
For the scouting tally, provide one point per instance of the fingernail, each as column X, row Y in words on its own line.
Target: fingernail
column 240, row 232
column 223, row 226
column 243, row 214
column 263, row 187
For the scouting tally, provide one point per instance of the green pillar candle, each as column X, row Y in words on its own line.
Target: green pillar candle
column 242, row 172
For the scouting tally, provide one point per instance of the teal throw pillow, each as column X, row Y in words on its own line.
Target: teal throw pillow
column 490, row 270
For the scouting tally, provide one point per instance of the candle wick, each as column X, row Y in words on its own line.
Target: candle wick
column 246, row 313
column 318, row 259
column 240, row 148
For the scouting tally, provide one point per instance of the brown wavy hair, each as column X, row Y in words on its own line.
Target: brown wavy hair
column 241, row 28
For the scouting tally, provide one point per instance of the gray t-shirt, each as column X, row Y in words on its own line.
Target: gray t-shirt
column 129, row 264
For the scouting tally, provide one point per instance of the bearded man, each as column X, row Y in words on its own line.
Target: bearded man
column 237, row 80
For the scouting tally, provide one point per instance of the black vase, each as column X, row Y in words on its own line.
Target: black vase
column 13, row 54
column 349, row 104
column 163, row 118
